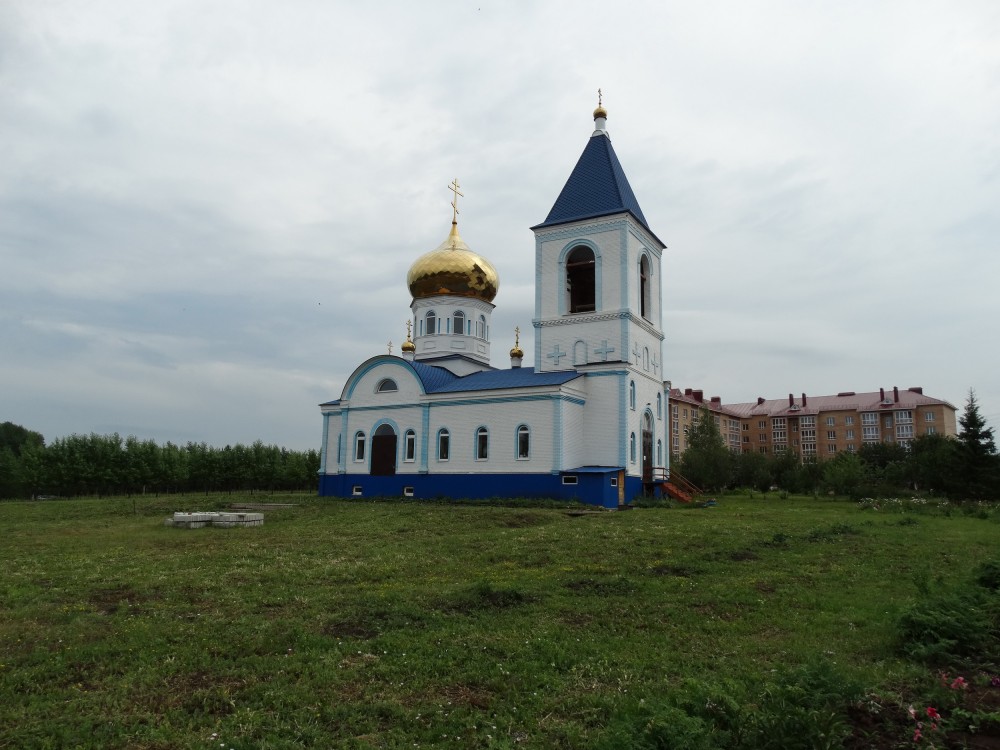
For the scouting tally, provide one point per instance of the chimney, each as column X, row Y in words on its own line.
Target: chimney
column 917, row 389
column 716, row 400
column 881, row 394
column 760, row 400
column 699, row 395
column 803, row 399
column 687, row 391
column 791, row 400
column 895, row 394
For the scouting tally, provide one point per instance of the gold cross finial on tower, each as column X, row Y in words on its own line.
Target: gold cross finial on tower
column 517, row 335
column 599, row 95
column 390, row 346
column 454, row 187
column 409, row 323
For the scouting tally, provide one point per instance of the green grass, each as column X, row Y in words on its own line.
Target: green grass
column 402, row 624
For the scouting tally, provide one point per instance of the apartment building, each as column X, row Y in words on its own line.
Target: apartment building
column 685, row 409
column 812, row 426
column 826, row 425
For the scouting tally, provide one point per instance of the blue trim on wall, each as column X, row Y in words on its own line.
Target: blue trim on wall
column 557, row 441
column 371, row 364
column 425, row 424
column 593, row 488
column 326, row 440
column 622, row 417
column 480, row 401
column 342, row 453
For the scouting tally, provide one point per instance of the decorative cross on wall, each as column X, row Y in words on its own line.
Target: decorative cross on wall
column 636, row 353
column 604, row 350
column 656, row 364
column 556, row 355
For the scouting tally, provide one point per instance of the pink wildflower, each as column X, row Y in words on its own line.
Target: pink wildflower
column 932, row 713
column 959, row 683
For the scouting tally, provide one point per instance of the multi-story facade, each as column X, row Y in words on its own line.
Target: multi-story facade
column 815, row 426
column 685, row 410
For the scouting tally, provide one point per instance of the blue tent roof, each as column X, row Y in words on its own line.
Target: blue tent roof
column 596, row 187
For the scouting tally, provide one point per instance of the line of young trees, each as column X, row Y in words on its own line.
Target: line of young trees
column 966, row 467
column 93, row 464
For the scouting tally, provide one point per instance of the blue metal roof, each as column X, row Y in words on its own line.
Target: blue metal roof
column 596, row 187
column 433, row 378
column 517, row 377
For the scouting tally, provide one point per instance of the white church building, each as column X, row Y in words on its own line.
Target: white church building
column 588, row 421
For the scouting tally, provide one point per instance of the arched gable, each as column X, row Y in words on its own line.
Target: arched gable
column 365, row 379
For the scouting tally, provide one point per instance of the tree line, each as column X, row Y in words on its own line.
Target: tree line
column 965, row 467
column 81, row 465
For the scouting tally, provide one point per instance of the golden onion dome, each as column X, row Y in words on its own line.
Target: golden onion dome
column 408, row 346
column 600, row 112
column 517, row 352
column 452, row 268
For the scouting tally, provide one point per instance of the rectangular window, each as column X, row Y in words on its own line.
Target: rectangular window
column 675, row 426
column 849, row 419
column 746, row 425
column 409, row 446
column 808, row 434
column 930, row 430
column 762, row 437
column 569, row 480
column 673, row 411
column 904, row 431
column 831, row 448
column 831, row 434
column 685, row 413
column 356, row 490
column 762, row 424
column 831, row 421
column 869, row 433
column 614, row 481
column 807, row 421
column 779, row 423
column 850, row 435
column 850, row 447
column 869, row 417
column 887, row 422
column 746, row 438
column 809, row 449
column 780, row 436
column 904, row 417
column 407, row 492
column 928, row 416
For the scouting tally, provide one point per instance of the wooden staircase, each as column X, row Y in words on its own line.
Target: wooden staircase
column 677, row 487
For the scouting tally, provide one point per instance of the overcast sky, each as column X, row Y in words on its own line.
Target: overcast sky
column 207, row 209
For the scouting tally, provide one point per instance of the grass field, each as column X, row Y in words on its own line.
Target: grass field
column 392, row 624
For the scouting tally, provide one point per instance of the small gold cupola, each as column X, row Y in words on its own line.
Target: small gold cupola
column 516, row 354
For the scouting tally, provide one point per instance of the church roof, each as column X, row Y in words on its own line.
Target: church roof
column 596, row 187
column 440, row 380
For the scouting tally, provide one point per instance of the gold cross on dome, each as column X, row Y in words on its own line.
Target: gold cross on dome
column 517, row 335
column 408, row 324
column 599, row 97
column 454, row 187
column 390, row 347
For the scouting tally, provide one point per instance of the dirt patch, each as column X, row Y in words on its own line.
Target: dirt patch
column 677, row 571
column 120, row 598
column 523, row 519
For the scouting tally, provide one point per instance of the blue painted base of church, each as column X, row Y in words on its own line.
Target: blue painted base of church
column 591, row 487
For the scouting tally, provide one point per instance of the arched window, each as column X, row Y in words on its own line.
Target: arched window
column 386, row 386
column 359, row 446
column 644, row 303
column 482, row 444
column 581, row 280
column 523, row 442
column 459, row 327
column 580, row 353
column 409, row 445
column 444, row 445
column 431, row 319
column 631, row 448
column 631, row 395
column 645, row 358
column 481, row 327
column 659, row 406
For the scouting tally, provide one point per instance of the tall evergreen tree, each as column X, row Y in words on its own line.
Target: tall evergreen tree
column 978, row 453
column 706, row 461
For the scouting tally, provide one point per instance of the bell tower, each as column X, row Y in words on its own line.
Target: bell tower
column 598, row 270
